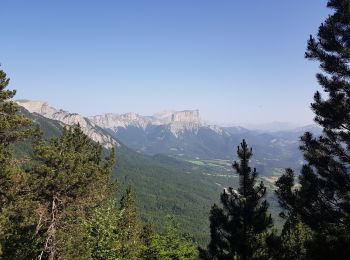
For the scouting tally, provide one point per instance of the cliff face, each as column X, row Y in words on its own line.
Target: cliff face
column 176, row 121
column 157, row 129
column 178, row 133
column 89, row 128
column 114, row 121
column 187, row 116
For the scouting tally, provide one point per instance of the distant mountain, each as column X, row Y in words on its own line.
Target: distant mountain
column 180, row 133
column 163, row 185
column 178, row 122
column 90, row 129
column 185, row 135
column 167, row 185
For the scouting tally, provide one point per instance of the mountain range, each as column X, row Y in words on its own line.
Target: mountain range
column 183, row 135
column 177, row 163
column 162, row 185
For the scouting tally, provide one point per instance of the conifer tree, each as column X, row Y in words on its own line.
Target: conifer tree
column 239, row 229
column 14, row 202
column 13, row 128
column 169, row 244
column 116, row 233
column 323, row 199
column 147, row 238
column 69, row 179
column 294, row 240
column 130, row 227
column 104, row 237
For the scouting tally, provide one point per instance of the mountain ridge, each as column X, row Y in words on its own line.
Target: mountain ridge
column 182, row 134
column 155, row 180
column 194, row 175
column 93, row 131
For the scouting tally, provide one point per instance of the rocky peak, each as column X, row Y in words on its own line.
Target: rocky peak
column 39, row 107
column 131, row 116
column 179, row 117
column 70, row 119
column 186, row 116
column 114, row 121
column 176, row 121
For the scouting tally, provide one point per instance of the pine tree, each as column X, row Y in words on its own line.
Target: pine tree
column 130, row 226
column 116, row 233
column 147, row 237
column 169, row 244
column 14, row 202
column 13, row 128
column 294, row 240
column 104, row 237
column 69, row 180
column 323, row 199
column 239, row 229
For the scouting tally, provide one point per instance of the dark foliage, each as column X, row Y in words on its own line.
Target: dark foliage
column 239, row 229
column 323, row 199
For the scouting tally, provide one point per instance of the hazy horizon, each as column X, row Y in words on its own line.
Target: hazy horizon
column 145, row 57
column 264, row 126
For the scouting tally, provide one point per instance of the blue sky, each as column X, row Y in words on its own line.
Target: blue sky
column 236, row 61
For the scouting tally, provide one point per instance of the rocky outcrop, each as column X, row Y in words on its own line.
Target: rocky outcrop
column 187, row 116
column 176, row 121
column 114, row 121
column 89, row 128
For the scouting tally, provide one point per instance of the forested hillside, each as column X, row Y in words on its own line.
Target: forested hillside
column 162, row 185
column 175, row 187
column 165, row 185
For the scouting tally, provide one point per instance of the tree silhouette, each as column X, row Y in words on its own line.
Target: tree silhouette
column 238, row 229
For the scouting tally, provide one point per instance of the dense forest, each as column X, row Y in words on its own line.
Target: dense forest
column 59, row 198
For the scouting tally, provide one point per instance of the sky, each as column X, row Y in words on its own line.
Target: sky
column 237, row 61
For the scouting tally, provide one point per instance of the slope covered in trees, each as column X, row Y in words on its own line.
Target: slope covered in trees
column 58, row 199
column 162, row 185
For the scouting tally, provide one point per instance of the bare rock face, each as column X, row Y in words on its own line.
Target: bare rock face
column 187, row 116
column 176, row 121
column 114, row 121
column 70, row 119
